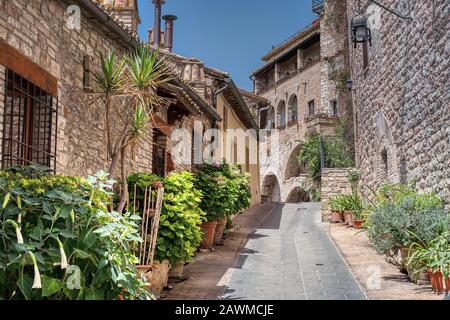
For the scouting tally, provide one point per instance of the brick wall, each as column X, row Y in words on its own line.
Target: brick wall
column 334, row 182
column 401, row 101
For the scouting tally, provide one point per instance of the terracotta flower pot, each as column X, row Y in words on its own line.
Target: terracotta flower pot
column 336, row 216
column 437, row 282
column 220, row 228
column 157, row 276
column 357, row 224
column 176, row 272
column 209, row 229
column 348, row 218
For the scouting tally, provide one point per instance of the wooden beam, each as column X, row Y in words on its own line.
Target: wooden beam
column 20, row 64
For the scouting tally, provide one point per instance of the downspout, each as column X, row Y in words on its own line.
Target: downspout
column 216, row 94
column 259, row 113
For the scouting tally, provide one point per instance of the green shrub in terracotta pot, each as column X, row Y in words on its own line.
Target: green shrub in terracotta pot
column 179, row 233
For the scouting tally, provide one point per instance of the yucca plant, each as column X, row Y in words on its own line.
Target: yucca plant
column 128, row 89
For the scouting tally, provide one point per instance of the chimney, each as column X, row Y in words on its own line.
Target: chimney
column 157, row 28
column 169, row 31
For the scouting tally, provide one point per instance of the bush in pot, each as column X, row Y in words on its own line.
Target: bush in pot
column 400, row 211
column 336, row 209
column 433, row 257
column 225, row 192
column 59, row 241
column 179, row 233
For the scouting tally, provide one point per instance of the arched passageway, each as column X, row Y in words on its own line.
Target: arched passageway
column 293, row 169
column 298, row 195
column 271, row 189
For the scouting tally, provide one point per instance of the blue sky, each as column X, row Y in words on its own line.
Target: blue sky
column 230, row 35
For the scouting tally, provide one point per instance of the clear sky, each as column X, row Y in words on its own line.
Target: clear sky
column 230, row 35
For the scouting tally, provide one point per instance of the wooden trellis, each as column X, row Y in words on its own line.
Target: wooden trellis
column 151, row 213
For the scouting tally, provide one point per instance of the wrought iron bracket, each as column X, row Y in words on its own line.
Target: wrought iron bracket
column 391, row 10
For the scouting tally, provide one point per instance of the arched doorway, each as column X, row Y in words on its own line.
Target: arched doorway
column 271, row 189
column 298, row 195
column 293, row 169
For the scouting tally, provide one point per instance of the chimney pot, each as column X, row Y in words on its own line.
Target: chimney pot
column 169, row 31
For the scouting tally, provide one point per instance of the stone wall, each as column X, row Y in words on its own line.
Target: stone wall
column 334, row 182
column 335, row 68
column 401, row 100
column 284, row 149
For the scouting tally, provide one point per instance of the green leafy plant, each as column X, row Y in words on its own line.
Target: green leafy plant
column 179, row 231
column 434, row 255
column 225, row 190
column 127, row 87
column 400, row 211
column 58, row 240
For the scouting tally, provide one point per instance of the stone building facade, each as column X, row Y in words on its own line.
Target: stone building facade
column 50, row 50
column 42, row 51
column 304, row 83
column 401, row 95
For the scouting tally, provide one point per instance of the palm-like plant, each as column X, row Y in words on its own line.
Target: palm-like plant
column 128, row 88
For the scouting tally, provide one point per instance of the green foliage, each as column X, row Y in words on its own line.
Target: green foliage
column 399, row 211
column 225, row 190
column 434, row 255
column 69, row 238
column 349, row 202
column 179, row 231
column 338, row 153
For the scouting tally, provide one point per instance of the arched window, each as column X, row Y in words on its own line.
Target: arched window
column 293, row 110
column 281, row 114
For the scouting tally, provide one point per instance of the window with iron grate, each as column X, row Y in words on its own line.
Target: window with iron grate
column 30, row 124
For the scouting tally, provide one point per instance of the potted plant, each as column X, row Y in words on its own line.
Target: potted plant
column 225, row 192
column 179, row 233
column 435, row 259
column 336, row 209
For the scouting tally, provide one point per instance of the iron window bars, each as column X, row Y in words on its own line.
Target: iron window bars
column 29, row 124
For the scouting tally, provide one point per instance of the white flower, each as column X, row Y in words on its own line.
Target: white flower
column 64, row 263
column 37, row 276
column 19, row 236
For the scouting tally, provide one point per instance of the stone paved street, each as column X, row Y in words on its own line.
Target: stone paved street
column 290, row 256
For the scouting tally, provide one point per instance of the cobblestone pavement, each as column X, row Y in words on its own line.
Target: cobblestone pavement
column 290, row 256
column 380, row 279
column 210, row 271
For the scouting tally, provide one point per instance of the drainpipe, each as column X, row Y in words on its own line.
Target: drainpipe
column 216, row 94
column 259, row 113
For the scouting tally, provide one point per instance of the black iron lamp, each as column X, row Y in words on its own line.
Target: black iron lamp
column 349, row 84
column 360, row 30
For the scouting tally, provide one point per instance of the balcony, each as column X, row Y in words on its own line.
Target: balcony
column 318, row 6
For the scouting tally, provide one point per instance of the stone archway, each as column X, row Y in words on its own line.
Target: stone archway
column 298, row 195
column 293, row 169
column 271, row 189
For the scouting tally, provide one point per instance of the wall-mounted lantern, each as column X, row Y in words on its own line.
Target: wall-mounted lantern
column 349, row 84
column 360, row 30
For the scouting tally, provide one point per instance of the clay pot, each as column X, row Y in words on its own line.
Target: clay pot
column 220, row 228
column 437, row 282
column 336, row 216
column 209, row 229
column 357, row 224
column 176, row 272
column 348, row 218
column 157, row 276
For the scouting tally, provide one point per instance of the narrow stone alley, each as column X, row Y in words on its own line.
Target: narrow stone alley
column 287, row 256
